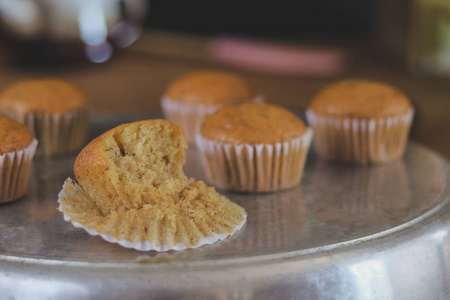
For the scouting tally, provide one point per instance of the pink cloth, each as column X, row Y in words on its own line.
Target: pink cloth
column 274, row 58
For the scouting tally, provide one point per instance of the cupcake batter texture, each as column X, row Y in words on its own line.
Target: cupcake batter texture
column 132, row 190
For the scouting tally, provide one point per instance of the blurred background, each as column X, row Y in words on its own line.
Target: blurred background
column 285, row 21
column 124, row 53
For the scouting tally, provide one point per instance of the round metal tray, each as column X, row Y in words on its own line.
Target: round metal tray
column 346, row 232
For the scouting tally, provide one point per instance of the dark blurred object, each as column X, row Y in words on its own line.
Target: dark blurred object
column 58, row 30
column 416, row 33
column 288, row 19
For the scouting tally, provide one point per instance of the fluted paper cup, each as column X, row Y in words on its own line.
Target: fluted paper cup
column 254, row 168
column 57, row 133
column 360, row 140
column 149, row 228
column 15, row 168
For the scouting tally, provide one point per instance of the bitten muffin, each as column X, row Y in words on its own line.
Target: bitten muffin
column 360, row 121
column 55, row 111
column 17, row 148
column 134, row 191
column 253, row 147
column 193, row 96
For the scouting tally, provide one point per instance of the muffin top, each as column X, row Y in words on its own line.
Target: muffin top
column 92, row 157
column 13, row 135
column 210, row 88
column 48, row 95
column 252, row 123
column 354, row 98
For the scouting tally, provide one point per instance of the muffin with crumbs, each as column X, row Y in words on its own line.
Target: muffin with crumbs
column 132, row 190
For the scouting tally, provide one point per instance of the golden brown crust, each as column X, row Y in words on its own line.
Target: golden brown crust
column 355, row 98
column 130, row 165
column 210, row 88
column 13, row 135
column 92, row 159
column 252, row 123
column 47, row 95
column 134, row 189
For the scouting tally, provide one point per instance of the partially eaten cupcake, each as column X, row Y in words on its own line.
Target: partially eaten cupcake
column 132, row 190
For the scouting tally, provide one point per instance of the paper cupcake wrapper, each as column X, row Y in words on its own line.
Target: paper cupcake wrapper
column 150, row 229
column 56, row 133
column 258, row 168
column 15, row 170
column 190, row 116
column 360, row 140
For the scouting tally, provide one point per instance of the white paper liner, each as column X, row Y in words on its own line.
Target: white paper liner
column 15, row 170
column 259, row 168
column 57, row 133
column 71, row 191
column 190, row 116
column 360, row 140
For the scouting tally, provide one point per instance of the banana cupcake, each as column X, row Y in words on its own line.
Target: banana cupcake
column 132, row 190
column 255, row 147
column 360, row 121
column 55, row 111
column 193, row 96
column 17, row 148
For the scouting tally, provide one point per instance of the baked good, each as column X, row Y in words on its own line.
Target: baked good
column 253, row 147
column 17, row 148
column 361, row 121
column 134, row 191
column 193, row 96
column 54, row 110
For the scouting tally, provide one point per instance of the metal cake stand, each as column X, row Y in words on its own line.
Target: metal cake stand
column 346, row 232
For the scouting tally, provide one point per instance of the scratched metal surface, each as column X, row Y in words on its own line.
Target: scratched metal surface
column 346, row 232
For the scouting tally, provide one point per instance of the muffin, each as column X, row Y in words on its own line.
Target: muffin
column 132, row 190
column 54, row 111
column 17, row 148
column 255, row 147
column 193, row 96
column 360, row 121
